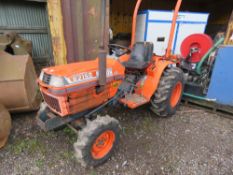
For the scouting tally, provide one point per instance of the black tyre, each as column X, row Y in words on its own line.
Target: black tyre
column 97, row 141
column 168, row 95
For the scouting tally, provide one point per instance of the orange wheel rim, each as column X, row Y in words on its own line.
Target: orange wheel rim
column 176, row 93
column 103, row 144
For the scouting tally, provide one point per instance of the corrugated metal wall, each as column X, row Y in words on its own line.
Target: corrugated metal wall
column 29, row 19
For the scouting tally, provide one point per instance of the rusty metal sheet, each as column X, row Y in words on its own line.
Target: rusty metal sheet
column 68, row 28
column 82, row 28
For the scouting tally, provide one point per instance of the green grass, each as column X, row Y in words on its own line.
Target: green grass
column 67, row 155
column 93, row 172
column 51, row 134
column 39, row 163
column 71, row 134
column 128, row 129
column 147, row 123
column 28, row 145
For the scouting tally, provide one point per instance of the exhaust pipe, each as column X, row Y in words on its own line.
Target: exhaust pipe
column 102, row 49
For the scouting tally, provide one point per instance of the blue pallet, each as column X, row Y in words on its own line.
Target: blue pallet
column 221, row 84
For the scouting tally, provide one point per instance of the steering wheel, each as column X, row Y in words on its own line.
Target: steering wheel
column 119, row 50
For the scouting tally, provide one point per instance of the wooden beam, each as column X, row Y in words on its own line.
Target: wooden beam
column 25, row 30
column 37, row 0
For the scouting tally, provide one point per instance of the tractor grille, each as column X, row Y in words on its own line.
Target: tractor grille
column 52, row 102
column 46, row 78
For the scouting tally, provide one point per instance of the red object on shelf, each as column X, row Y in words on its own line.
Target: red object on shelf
column 200, row 42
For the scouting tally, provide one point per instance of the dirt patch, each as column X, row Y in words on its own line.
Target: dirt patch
column 191, row 142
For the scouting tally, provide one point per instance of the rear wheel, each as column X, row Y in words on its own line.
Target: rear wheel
column 168, row 95
column 97, row 141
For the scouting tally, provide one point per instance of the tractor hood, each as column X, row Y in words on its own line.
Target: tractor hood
column 71, row 69
column 78, row 73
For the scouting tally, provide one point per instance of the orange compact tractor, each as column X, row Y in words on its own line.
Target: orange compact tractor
column 74, row 93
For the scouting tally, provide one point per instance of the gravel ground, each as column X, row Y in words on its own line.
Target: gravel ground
column 191, row 142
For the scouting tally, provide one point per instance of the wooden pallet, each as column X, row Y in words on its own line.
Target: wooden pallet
column 223, row 110
column 229, row 33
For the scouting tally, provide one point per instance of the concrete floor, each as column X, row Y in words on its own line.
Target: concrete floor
column 191, row 142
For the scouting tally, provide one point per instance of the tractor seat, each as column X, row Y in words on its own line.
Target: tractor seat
column 140, row 56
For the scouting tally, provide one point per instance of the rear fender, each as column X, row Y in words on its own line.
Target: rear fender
column 154, row 73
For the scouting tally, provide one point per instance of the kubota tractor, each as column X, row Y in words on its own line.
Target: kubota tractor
column 74, row 93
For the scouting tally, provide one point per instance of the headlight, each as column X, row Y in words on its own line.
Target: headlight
column 57, row 81
column 52, row 80
column 41, row 75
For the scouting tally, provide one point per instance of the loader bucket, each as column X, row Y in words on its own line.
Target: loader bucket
column 18, row 86
column 5, row 125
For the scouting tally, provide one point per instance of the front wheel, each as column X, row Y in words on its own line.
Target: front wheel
column 169, row 92
column 97, row 141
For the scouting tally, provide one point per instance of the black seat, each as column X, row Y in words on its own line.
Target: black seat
column 140, row 56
